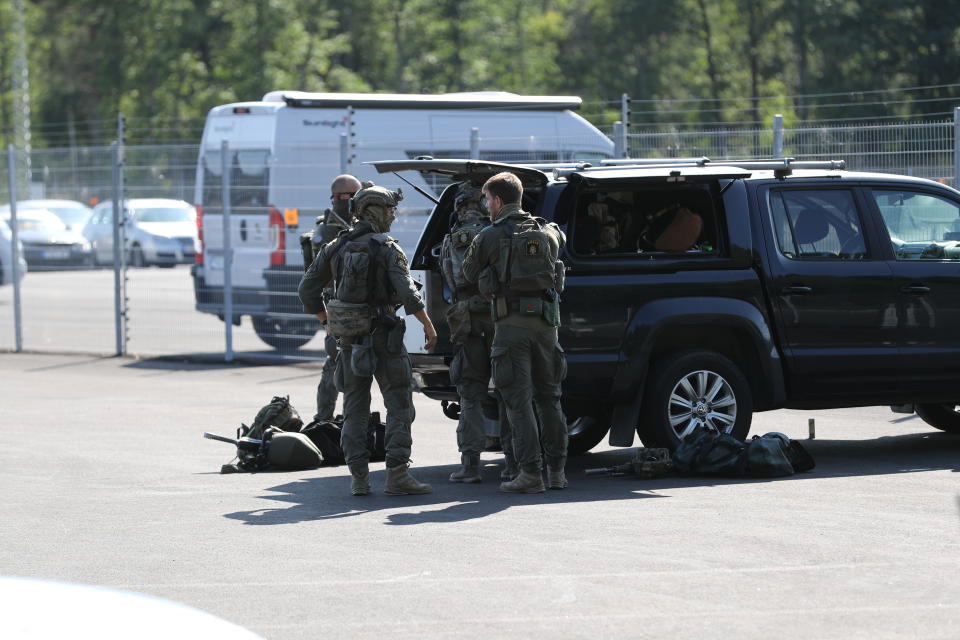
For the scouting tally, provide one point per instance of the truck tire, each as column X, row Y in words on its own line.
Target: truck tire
column 585, row 432
column 940, row 416
column 686, row 389
column 285, row 334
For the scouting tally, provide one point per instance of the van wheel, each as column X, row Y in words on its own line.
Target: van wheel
column 585, row 432
column 940, row 416
column 688, row 389
column 285, row 334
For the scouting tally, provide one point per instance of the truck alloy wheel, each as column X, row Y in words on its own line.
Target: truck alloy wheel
column 693, row 389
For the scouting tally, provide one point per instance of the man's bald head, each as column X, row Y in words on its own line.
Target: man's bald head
column 345, row 183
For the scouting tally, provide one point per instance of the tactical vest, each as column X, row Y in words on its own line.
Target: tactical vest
column 528, row 258
column 358, row 276
column 452, row 254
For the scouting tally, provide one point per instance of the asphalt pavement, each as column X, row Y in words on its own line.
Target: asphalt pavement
column 107, row 481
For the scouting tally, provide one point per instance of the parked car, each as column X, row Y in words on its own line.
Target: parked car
column 47, row 242
column 74, row 214
column 798, row 285
column 158, row 232
column 6, row 257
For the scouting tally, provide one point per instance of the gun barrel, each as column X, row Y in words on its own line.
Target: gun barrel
column 601, row 471
column 213, row 436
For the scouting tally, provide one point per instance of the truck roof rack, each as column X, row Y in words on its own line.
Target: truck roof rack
column 781, row 167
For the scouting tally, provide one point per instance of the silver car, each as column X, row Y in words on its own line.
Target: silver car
column 74, row 214
column 6, row 256
column 159, row 232
column 48, row 242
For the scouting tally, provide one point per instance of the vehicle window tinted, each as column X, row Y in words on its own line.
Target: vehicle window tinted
column 921, row 226
column 249, row 178
column 817, row 224
column 163, row 215
column 649, row 221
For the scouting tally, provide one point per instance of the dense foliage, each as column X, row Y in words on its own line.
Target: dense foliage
column 165, row 62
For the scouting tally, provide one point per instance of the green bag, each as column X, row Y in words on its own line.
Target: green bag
column 279, row 413
column 293, row 451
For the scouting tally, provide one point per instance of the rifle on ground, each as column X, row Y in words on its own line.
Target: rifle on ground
column 648, row 463
column 249, row 445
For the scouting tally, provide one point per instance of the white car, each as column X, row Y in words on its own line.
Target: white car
column 6, row 256
column 159, row 231
column 74, row 214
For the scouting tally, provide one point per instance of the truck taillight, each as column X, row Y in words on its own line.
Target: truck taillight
column 278, row 257
column 198, row 257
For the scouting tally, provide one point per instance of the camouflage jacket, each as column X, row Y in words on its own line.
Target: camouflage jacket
column 391, row 261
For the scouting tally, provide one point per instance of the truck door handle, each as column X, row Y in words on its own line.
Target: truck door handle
column 915, row 289
column 796, row 290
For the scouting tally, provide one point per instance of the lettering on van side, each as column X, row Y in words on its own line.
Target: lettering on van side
column 333, row 124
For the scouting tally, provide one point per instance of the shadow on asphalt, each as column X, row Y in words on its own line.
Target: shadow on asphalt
column 328, row 497
column 214, row 360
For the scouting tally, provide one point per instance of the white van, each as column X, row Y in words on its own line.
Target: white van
column 285, row 150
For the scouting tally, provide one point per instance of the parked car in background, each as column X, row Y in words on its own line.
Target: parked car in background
column 6, row 257
column 74, row 214
column 48, row 242
column 159, row 232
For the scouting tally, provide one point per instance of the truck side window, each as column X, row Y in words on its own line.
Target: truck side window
column 820, row 224
column 648, row 222
column 921, row 226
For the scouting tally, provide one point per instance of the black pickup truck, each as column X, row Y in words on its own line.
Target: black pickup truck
column 780, row 284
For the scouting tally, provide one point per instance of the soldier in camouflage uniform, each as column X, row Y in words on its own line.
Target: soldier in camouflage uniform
column 334, row 220
column 371, row 279
column 471, row 332
column 515, row 262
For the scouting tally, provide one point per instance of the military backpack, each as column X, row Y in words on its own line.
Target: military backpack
column 453, row 251
column 532, row 264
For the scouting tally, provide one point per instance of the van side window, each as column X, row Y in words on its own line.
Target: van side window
column 249, row 178
column 921, row 226
column 817, row 224
column 650, row 222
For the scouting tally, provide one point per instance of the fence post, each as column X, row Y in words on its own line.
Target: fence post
column 119, row 255
column 778, row 136
column 344, row 152
column 956, row 147
column 625, row 119
column 619, row 140
column 14, row 252
column 474, row 143
column 227, row 252
column 350, row 136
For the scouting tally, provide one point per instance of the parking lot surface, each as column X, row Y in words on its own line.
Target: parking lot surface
column 107, row 481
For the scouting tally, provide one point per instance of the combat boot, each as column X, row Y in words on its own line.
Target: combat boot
column 556, row 478
column 359, row 479
column 509, row 472
column 401, row 483
column 469, row 472
column 526, row 482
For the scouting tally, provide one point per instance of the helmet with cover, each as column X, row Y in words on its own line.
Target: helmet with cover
column 376, row 205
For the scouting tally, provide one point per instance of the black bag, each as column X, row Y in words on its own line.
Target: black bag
column 705, row 452
column 771, row 455
column 326, row 436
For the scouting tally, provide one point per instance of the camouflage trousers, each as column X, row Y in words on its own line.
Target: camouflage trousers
column 380, row 356
column 528, row 366
column 470, row 372
column 327, row 389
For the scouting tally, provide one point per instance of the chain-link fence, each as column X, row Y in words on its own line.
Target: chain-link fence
column 150, row 277
column 923, row 149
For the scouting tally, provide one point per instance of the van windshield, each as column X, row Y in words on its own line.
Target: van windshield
column 249, row 178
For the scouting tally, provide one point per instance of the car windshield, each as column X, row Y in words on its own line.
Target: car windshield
column 71, row 215
column 163, row 214
column 37, row 220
